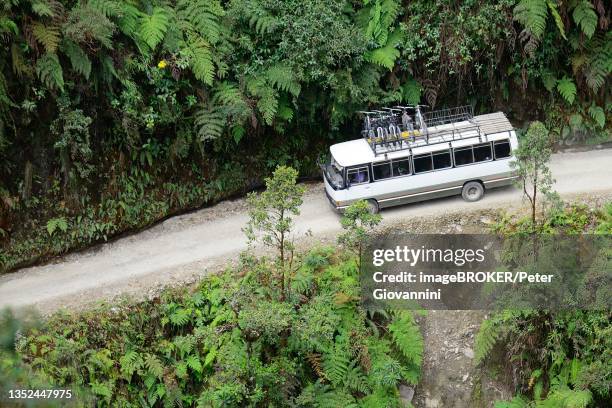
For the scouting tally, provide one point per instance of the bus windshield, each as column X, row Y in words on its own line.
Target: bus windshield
column 333, row 173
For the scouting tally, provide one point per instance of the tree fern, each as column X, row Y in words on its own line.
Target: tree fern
column 532, row 15
column 50, row 72
column 153, row 27
column 78, row 58
column 585, row 17
column 47, row 35
column 567, row 89
column 407, row 338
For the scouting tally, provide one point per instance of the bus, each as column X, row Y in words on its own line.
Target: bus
column 406, row 156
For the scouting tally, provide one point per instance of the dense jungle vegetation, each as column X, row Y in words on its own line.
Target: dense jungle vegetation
column 114, row 114
column 556, row 358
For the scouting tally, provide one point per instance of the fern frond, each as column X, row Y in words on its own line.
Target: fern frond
column 48, row 36
column 153, row 365
column 21, row 67
column 203, row 15
column 227, row 93
column 407, row 338
column 200, row 58
column 180, row 317
column 78, row 58
column 281, row 77
column 194, row 363
column 50, row 72
column 336, row 364
column 517, row 402
column 411, row 92
column 552, row 6
column 263, row 23
column 268, row 105
column 210, row 123
column 487, row 337
column 382, row 15
column 386, row 56
column 598, row 115
column 566, row 398
column 109, row 8
column 532, row 15
column 567, row 89
column 130, row 18
column 46, row 8
column 585, row 17
column 153, row 27
column 130, row 362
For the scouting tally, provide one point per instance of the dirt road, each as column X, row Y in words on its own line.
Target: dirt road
column 185, row 247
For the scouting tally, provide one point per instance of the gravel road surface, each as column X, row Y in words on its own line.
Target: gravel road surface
column 183, row 248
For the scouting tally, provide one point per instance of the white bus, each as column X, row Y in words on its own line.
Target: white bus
column 402, row 159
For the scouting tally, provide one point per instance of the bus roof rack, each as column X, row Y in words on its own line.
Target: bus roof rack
column 393, row 129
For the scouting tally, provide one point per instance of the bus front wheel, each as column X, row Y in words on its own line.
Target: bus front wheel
column 373, row 206
column 472, row 191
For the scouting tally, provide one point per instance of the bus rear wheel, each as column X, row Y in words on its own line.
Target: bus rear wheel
column 472, row 191
column 373, row 206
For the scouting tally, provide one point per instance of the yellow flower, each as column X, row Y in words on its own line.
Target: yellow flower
column 162, row 64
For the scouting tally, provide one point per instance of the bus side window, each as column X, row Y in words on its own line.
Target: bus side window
column 401, row 167
column 441, row 160
column 463, row 156
column 358, row 175
column 422, row 163
column 381, row 170
column 502, row 149
column 482, row 152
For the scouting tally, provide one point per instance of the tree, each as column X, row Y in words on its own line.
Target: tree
column 357, row 222
column 270, row 215
column 532, row 156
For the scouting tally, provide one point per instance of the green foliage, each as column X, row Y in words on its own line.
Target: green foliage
column 57, row 224
column 485, row 340
column 532, row 14
column 196, row 88
column 234, row 343
column 153, row 26
column 557, row 355
column 567, row 89
column 50, row 72
column 358, row 222
column 271, row 211
column 585, row 17
column 78, row 58
column 533, row 155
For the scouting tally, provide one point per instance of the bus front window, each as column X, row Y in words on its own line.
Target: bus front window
column 333, row 174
